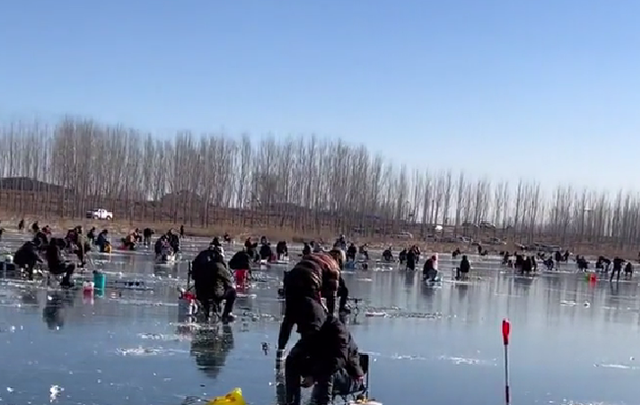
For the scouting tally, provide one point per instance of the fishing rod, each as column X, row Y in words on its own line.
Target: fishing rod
column 506, row 330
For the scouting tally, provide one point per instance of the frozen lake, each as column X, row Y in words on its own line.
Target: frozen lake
column 573, row 342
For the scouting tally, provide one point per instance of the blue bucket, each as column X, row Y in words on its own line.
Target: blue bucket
column 99, row 280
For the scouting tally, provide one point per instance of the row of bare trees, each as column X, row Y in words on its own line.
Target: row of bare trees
column 304, row 183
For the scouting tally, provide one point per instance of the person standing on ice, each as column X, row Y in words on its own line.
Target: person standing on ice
column 412, row 258
column 617, row 268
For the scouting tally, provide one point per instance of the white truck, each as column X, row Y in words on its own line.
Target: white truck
column 100, row 214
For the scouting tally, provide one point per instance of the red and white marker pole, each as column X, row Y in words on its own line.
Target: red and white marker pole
column 506, row 330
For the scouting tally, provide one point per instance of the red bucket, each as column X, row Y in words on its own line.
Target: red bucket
column 241, row 277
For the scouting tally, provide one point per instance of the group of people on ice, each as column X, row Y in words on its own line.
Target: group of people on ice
column 78, row 244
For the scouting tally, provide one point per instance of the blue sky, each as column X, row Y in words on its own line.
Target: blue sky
column 545, row 89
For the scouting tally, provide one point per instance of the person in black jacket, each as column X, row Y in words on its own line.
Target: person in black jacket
column 57, row 265
column 324, row 357
column 309, row 315
column 266, row 253
column 147, row 233
column 281, row 250
column 333, row 362
column 617, row 268
column 412, row 259
column 306, row 249
column 213, row 282
column 26, row 257
column 174, row 240
column 303, row 287
column 464, row 268
column 41, row 240
column 240, row 261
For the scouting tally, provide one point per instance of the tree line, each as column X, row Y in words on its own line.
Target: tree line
column 308, row 184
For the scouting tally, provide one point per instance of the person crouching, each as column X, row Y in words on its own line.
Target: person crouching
column 56, row 263
column 240, row 263
column 26, row 258
column 332, row 362
column 213, row 283
column 325, row 354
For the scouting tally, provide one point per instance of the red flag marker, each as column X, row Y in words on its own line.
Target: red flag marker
column 506, row 330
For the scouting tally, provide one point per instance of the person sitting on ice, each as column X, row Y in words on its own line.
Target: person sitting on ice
column 56, row 263
column 364, row 252
column 163, row 246
column 549, row 263
column 582, row 263
column 41, row 240
column 166, row 251
column 429, row 271
column 102, row 241
column 352, row 250
column 227, row 238
column 306, row 249
column 26, row 258
column 281, row 250
column 266, row 253
column 174, row 240
column 129, row 242
column 241, row 260
column 387, row 256
column 213, row 282
column 462, row 271
column 628, row 269
column 341, row 242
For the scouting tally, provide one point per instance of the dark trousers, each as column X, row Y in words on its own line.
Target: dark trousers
column 615, row 271
column 296, row 367
column 63, row 268
column 343, row 294
column 80, row 254
column 340, row 383
column 207, row 297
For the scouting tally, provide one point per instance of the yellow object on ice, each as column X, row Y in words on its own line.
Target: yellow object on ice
column 232, row 398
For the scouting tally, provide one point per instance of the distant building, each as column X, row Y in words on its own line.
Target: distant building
column 31, row 185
